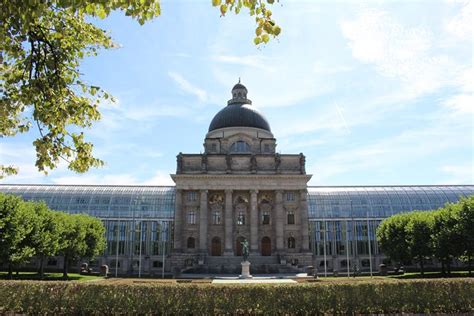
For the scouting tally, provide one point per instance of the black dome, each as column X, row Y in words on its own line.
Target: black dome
column 239, row 114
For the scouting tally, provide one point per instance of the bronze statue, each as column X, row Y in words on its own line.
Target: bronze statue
column 245, row 249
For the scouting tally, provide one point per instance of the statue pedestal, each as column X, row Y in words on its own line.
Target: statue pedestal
column 245, row 270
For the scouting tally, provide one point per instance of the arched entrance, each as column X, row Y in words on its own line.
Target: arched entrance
column 216, row 249
column 238, row 246
column 266, row 246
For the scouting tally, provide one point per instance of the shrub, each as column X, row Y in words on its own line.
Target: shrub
column 420, row 296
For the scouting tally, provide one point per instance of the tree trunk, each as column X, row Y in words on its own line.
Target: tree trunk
column 65, row 266
column 443, row 270
column 469, row 267
column 41, row 268
column 448, row 264
column 10, row 271
column 422, row 267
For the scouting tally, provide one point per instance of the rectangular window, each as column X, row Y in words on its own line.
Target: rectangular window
column 192, row 196
column 291, row 217
column 266, row 148
column 241, row 219
column 266, row 218
column 290, row 196
column 213, row 148
column 191, row 217
column 216, row 218
column 157, row 264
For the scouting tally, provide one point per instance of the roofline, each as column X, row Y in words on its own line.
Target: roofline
column 91, row 185
column 173, row 186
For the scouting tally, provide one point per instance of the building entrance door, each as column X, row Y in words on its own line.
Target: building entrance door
column 266, row 246
column 238, row 246
column 216, row 249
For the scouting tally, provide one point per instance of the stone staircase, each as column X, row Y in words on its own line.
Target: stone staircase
column 231, row 265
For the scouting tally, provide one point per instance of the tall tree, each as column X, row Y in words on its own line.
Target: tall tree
column 419, row 236
column 392, row 237
column 82, row 237
column 46, row 235
column 447, row 240
column 17, row 223
column 465, row 227
column 42, row 45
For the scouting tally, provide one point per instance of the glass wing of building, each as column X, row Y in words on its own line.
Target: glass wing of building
column 342, row 220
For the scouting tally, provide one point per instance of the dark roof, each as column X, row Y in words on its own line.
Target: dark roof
column 239, row 86
column 239, row 114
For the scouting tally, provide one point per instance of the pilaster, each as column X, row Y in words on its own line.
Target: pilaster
column 203, row 222
column 178, row 220
column 304, row 220
column 253, row 221
column 228, row 223
column 279, row 220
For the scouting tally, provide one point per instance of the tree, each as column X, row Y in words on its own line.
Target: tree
column 392, row 237
column 17, row 223
column 447, row 240
column 46, row 235
column 465, row 227
column 42, row 44
column 82, row 237
column 419, row 236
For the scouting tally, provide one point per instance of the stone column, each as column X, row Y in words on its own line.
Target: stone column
column 178, row 220
column 304, row 220
column 253, row 221
column 203, row 222
column 228, row 216
column 279, row 220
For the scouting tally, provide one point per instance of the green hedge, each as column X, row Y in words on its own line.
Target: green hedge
column 421, row 296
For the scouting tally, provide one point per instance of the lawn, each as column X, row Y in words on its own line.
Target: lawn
column 50, row 276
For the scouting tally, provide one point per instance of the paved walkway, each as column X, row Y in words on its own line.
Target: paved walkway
column 250, row 281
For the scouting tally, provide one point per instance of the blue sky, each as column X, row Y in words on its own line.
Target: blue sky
column 372, row 93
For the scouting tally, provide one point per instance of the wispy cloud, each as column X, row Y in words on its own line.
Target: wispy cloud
column 188, row 87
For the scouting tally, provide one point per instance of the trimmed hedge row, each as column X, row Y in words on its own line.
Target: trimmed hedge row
column 420, row 296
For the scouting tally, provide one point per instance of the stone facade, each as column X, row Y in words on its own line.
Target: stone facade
column 240, row 189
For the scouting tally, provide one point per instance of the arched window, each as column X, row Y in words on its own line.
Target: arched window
column 290, row 217
column 216, row 217
column 240, row 147
column 291, row 243
column 191, row 244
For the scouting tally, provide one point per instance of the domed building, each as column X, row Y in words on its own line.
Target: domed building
column 239, row 189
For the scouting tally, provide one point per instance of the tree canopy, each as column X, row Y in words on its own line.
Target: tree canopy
column 42, row 45
column 445, row 234
column 29, row 229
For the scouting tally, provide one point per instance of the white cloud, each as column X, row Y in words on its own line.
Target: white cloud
column 399, row 52
column 458, row 174
column 460, row 26
column 188, row 87
column 158, row 178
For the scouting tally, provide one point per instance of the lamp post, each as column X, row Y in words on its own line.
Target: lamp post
column 163, row 239
column 117, row 246
column 368, row 242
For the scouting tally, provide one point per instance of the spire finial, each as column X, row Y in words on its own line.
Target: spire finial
column 239, row 79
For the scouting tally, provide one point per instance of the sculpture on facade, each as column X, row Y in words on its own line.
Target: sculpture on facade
column 253, row 163
column 204, row 162
column 277, row 162
column 179, row 163
column 302, row 163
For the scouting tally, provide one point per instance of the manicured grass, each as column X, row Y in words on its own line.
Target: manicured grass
column 433, row 275
column 50, row 276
